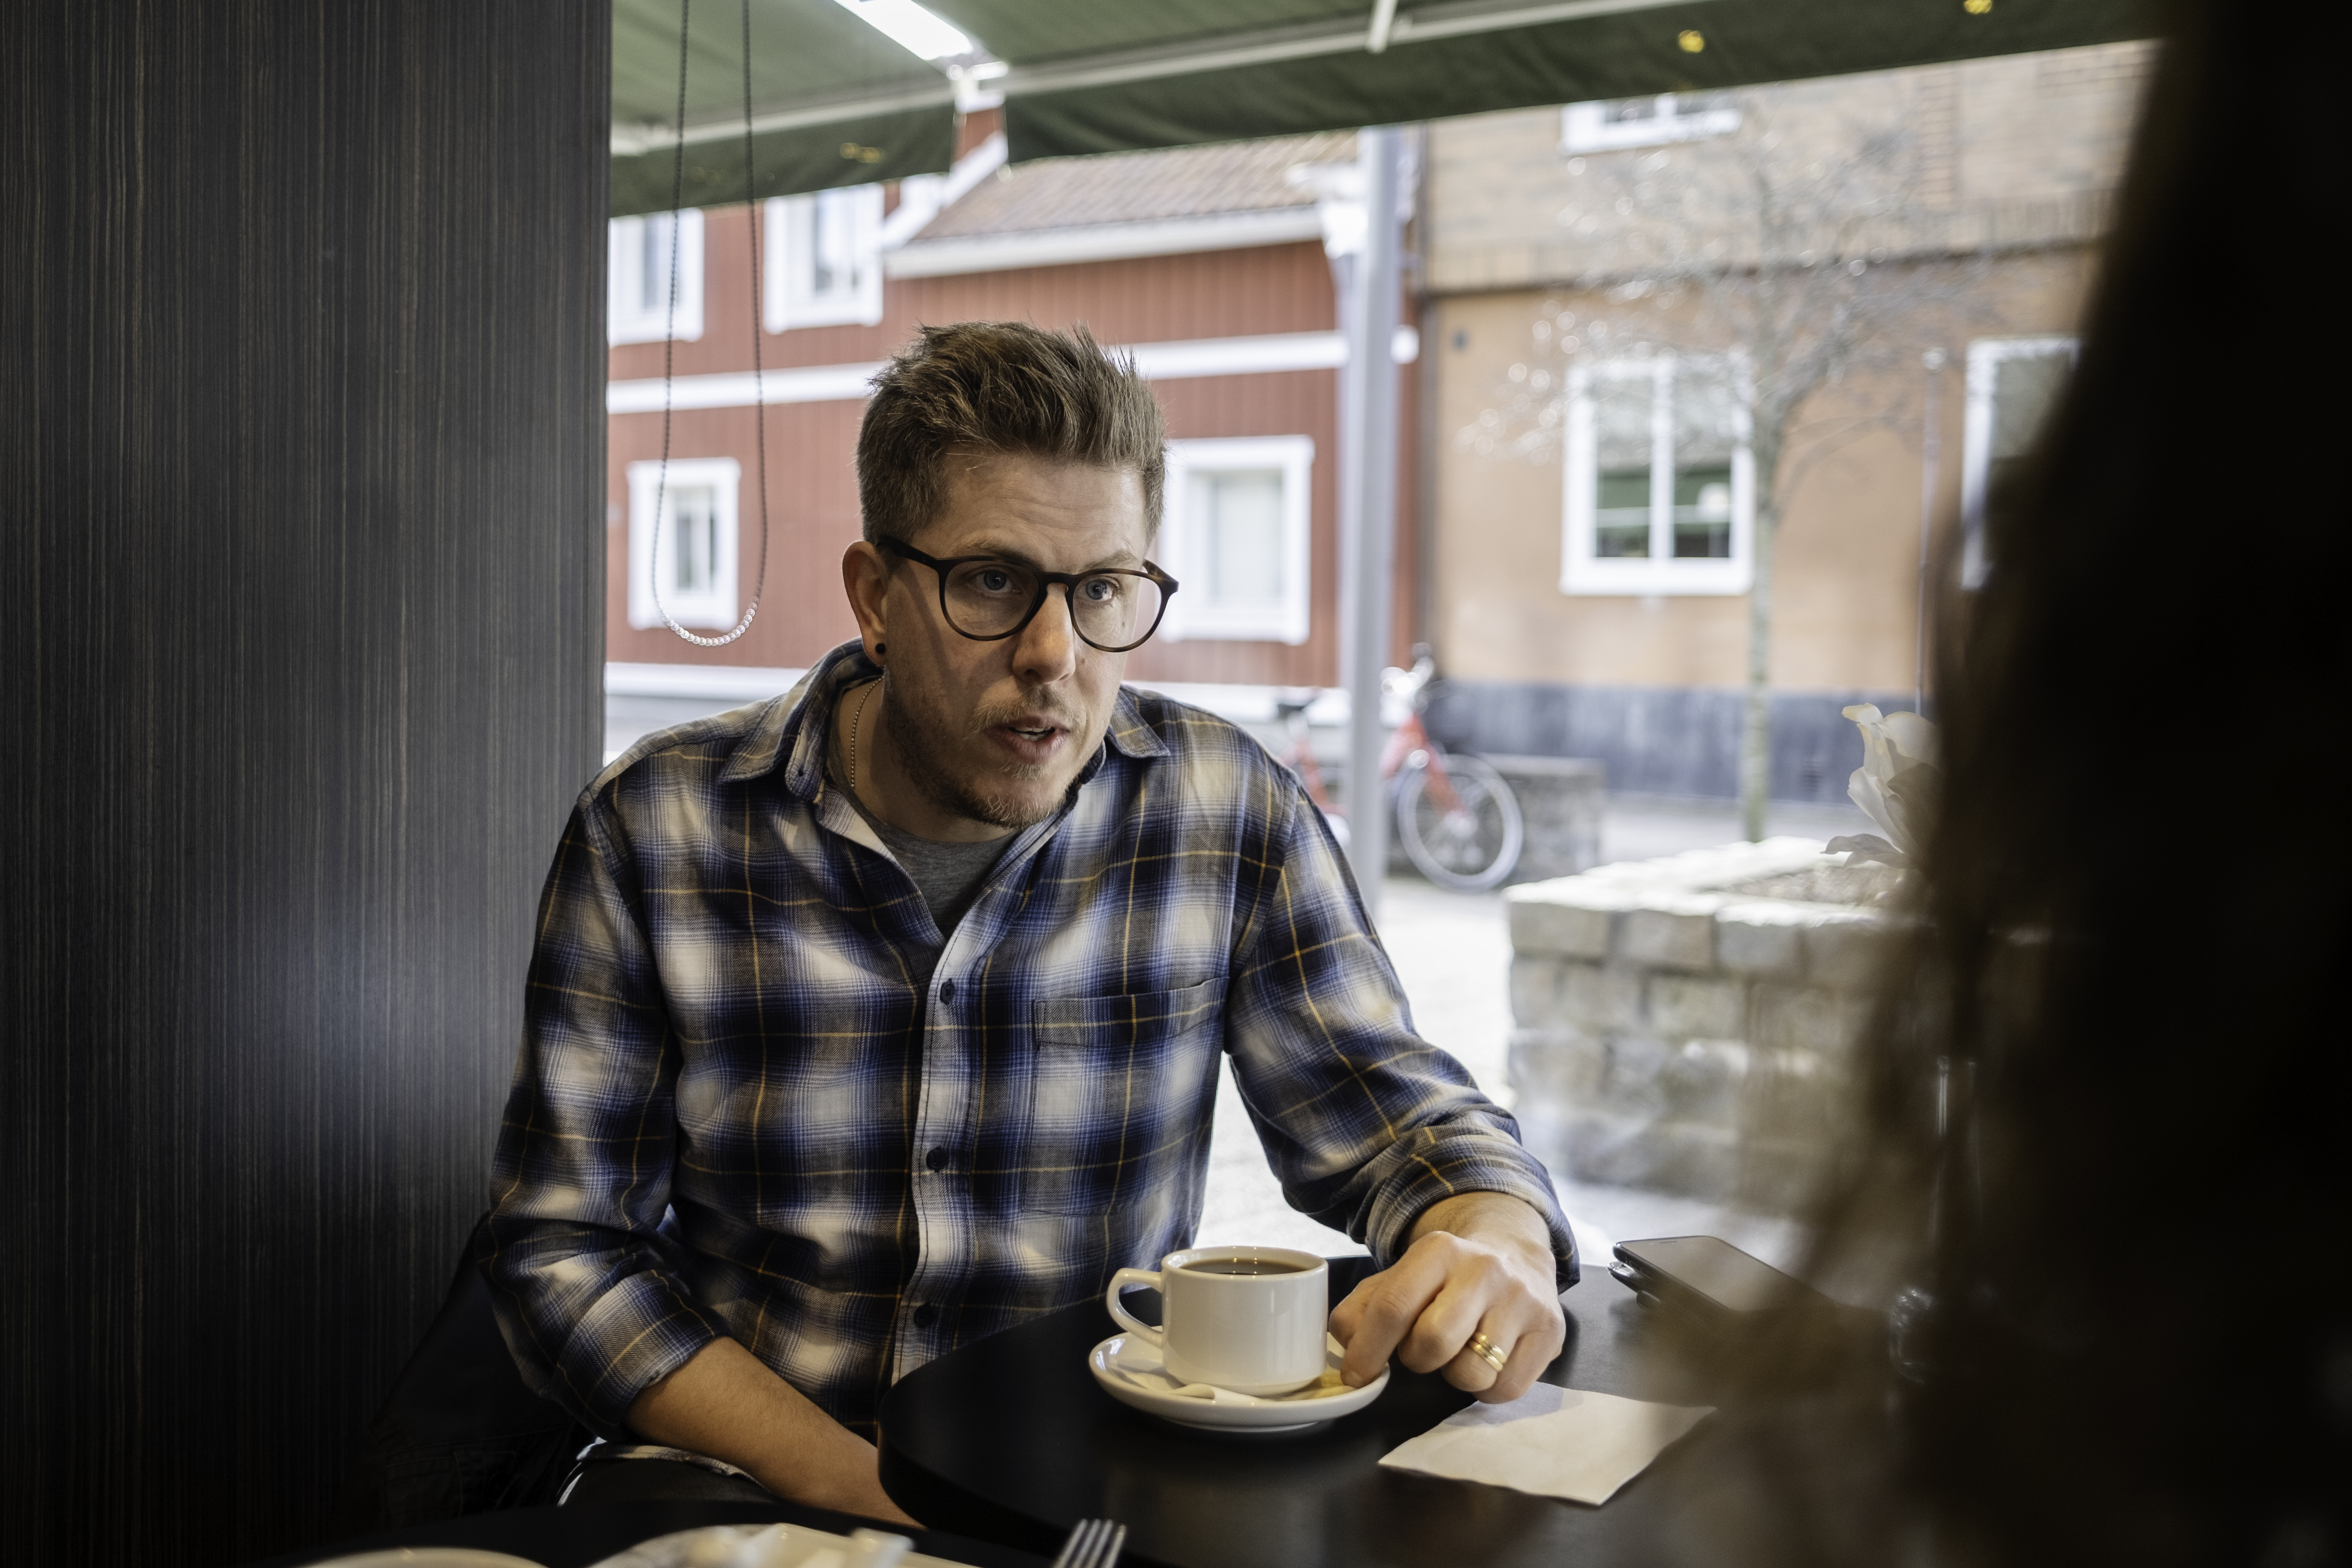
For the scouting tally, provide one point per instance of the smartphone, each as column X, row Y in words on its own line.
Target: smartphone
column 1710, row 1275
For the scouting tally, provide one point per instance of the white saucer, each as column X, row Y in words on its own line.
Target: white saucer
column 1280, row 1413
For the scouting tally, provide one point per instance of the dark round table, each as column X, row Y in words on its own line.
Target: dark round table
column 1010, row 1439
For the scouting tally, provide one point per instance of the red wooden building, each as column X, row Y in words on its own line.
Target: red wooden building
column 1209, row 262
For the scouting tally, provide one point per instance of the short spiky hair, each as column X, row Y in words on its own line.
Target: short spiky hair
column 1000, row 386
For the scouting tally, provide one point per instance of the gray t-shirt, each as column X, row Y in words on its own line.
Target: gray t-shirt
column 947, row 875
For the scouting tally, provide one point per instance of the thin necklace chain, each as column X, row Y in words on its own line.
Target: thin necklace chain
column 857, row 717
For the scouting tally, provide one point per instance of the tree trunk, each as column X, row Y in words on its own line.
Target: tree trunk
column 1756, row 725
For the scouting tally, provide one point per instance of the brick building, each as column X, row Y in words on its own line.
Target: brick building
column 1209, row 262
column 1588, row 595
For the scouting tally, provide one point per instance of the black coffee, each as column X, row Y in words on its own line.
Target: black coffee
column 1242, row 1266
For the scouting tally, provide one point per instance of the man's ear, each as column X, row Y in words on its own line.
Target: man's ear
column 866, row 580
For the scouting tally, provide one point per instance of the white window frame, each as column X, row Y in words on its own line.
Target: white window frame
column 1191, row 614
column 1581, row 573
column 786, row 299
column 718, row 607
column 1986, row 356
column 1587, row 128
column 626, row 318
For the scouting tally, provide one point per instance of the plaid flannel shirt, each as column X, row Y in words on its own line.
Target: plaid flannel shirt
column 734, row 1112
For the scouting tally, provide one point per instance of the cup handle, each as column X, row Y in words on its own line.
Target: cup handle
column 1128, row 1279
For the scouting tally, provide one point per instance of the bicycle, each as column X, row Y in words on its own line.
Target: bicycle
column 1457, row 819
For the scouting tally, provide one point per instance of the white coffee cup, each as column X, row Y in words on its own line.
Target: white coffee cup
column 1250, row 1319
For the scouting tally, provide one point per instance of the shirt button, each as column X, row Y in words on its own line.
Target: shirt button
column 947, row 990
column 937, row 1159
column 926, row 1315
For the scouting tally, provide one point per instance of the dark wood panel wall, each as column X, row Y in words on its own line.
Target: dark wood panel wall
column 301, row 350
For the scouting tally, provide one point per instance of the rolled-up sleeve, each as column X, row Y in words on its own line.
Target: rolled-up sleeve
column 1365, row 1123
column 585, row 1285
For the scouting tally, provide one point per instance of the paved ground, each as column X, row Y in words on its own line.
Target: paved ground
column 1453, row 952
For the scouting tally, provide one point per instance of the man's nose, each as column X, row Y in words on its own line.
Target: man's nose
column 1048, row 648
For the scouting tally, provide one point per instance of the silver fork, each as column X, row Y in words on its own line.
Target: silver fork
column 1095, row 1543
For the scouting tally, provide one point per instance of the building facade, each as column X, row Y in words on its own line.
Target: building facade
column 1594, row 380
column 1610, row 297
column 1210, row 263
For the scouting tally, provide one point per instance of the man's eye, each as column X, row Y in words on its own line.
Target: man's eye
column 1101, row 590
column 993, row 580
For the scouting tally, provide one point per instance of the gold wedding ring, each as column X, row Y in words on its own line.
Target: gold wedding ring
column 1485, row 1350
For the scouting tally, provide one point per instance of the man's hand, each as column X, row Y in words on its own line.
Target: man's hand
column 726, row 1403
column 1480, row 1263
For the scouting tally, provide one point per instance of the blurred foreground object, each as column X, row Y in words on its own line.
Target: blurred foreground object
column 2112, row 1052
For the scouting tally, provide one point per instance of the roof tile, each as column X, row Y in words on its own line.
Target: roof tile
column 1142, row 187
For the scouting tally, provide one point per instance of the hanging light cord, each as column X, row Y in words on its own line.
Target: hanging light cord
column 670, row 337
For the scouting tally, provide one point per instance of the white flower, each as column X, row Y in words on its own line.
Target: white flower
column 1898, row 783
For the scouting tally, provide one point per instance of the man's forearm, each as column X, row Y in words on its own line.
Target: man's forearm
column 726, row 1403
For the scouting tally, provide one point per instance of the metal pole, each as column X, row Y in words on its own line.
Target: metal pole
column 1931, row 453
column 1368, row 456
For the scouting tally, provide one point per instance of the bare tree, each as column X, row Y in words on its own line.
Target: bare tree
column 1796, row 250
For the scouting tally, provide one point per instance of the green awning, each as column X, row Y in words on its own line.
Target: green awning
column 833, row 102
column 1269, row 70
column 1087, row 75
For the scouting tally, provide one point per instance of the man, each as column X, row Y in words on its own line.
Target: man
column 877, row 1018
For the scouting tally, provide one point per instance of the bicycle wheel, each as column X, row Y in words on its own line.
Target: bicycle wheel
column 1470, row 842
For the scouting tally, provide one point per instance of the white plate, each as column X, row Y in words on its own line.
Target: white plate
column 1265, row 1416
column 430, row 1557
column 773, row 1546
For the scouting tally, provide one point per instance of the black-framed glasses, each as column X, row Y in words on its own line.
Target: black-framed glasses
column 988, row 598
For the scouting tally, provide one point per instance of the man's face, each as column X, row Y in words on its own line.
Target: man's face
column 994, row 731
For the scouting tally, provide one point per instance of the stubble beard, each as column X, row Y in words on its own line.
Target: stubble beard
column 915, row 726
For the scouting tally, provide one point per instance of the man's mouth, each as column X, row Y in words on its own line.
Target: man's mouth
column 1032, row 737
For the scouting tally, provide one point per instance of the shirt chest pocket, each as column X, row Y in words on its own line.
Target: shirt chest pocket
column 1121, row 1092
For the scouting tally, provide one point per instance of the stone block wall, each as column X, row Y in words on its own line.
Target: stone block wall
column 1683, row 1026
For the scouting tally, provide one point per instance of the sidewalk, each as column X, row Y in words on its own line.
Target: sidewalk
column 1453, row 952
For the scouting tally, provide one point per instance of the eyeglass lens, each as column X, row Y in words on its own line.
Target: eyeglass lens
column 988, row 598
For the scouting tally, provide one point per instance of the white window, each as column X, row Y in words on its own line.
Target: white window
column 1235, row 538
column 637, row 274
column 697, row 558
column 2013, row 383
column 1661, row 492
column 1643, row 122
column 823, row 259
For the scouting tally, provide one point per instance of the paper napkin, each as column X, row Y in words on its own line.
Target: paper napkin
column 1555, row 1442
